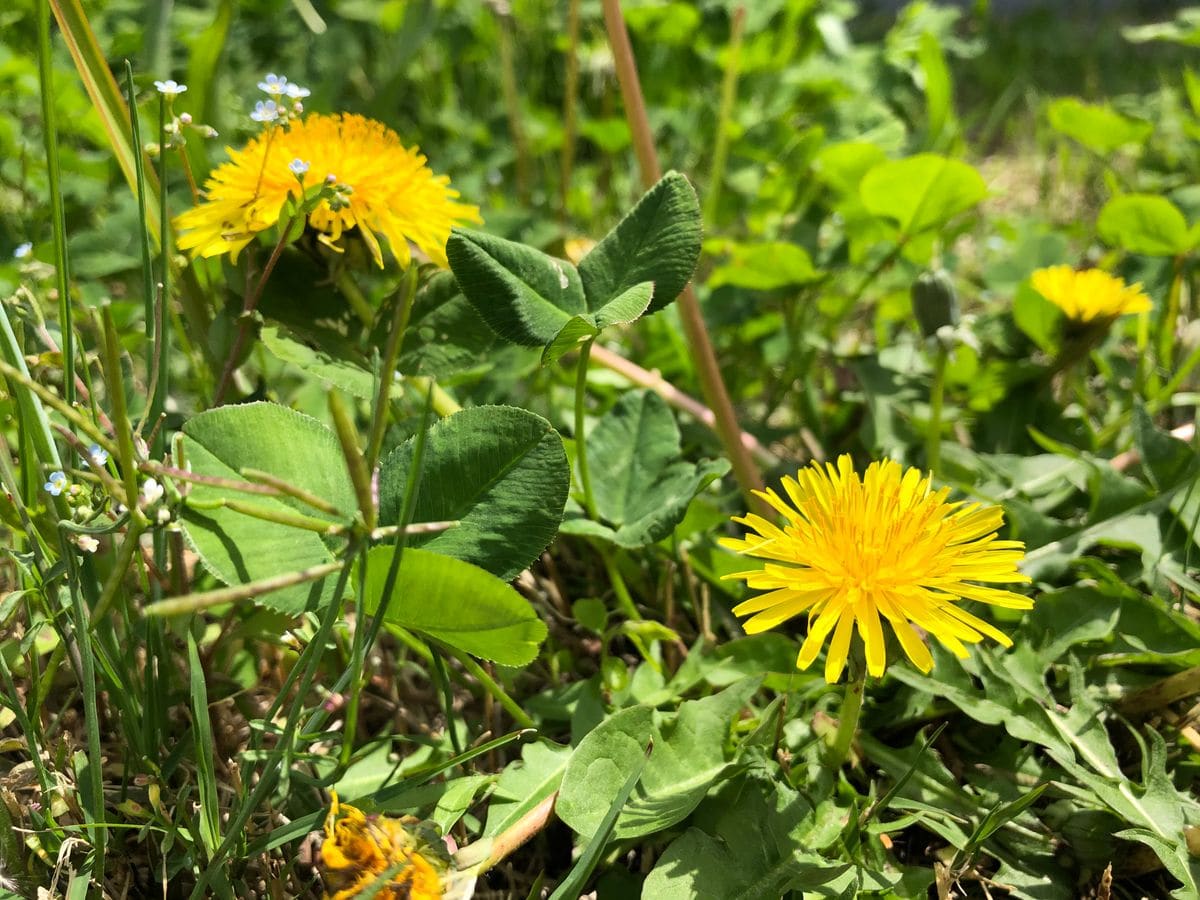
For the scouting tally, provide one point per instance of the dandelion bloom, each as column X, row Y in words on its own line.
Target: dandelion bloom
column 388, row 190
column 360, row 851
column 1089, row 296
column 854, row 549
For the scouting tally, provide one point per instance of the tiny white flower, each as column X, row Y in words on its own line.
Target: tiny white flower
column 265, row 111
column 97, row 456
column 298, row 167
column 295, row 92
column 170, row 88
column 275, row 85
column 87, row 543
column 164, row 516
column 56, row 484
column 23, row 250
column 152, row 492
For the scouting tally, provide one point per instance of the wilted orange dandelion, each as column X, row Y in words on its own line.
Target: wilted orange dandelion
column 393, row 859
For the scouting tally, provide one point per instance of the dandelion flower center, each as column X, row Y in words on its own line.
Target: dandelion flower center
column 395, row 194
column 884, row 545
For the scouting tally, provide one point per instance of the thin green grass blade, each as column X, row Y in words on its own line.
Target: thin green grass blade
column 58, row 217
column 206, row 773
column 106, row 97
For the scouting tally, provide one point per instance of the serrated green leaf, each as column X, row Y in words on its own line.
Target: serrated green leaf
column 641, row 486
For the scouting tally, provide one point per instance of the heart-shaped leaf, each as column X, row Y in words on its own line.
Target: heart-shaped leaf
column 238, row 548
column 658, row 241
column 499, row 471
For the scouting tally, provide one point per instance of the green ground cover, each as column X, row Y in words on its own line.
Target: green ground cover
column 747, row 451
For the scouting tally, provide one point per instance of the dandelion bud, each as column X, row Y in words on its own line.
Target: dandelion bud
column 935, row 301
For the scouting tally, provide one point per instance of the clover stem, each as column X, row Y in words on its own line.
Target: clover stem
column 848, row 714
column 585, row 477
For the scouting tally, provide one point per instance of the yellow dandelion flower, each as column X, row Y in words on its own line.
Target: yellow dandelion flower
column 360, row 852
column 1091, row 295
column 386, row 189
column 885, row 544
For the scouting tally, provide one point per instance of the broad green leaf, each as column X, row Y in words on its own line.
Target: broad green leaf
column 642, row 488
column 456, row 603
column 600, row 765
column 1185, row 29
column 658, row 241
column 689, row 756
column 524, row 295
column 572, row 886
column 1146, row 224
column 238, row 548
column 524, row 784
column 842, row 166
column 1099, row 128
column 921, row 192
column 763, row 267
column 445, row 335
column 499, row 471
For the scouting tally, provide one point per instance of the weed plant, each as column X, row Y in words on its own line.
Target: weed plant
column 667, row 450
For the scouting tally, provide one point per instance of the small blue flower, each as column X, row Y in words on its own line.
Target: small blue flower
column 97, row 456
column 298, row 167
column 57, row 482
column 275, row 85
column 265, row 111
column 23, row 250
column 295, row 92
column 170, row 88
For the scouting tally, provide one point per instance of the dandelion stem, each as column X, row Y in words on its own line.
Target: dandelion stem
column 937, row 392
column 848, row 715
column 251, row 302
column 585, row 477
